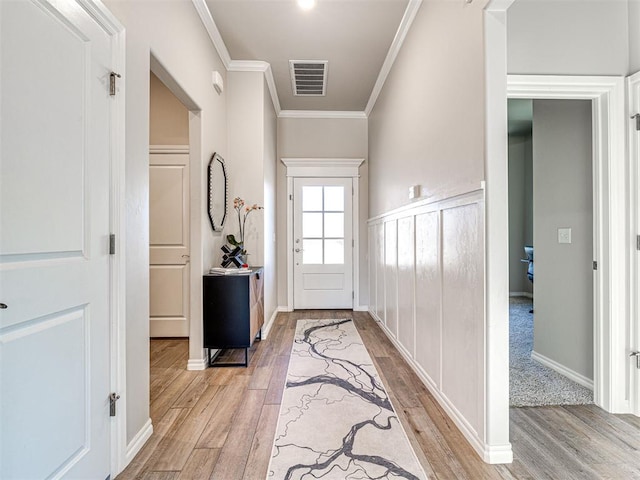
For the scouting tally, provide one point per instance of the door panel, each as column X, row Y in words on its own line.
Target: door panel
column 54, row 232
column 169, row 244
column 323, row 247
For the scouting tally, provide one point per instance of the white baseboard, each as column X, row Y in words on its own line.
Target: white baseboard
column 521, row 294
column 562, row 370
column 138, row 441
column 197, row 364
column 494, row 454
column 267, row 327
column 361, row 308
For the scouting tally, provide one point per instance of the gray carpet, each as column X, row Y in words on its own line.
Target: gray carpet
column 530, row 383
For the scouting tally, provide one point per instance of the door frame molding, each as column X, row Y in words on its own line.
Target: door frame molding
column 324, row 168
column 611, row 283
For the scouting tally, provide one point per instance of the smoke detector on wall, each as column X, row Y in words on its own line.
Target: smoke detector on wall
column 309, row 77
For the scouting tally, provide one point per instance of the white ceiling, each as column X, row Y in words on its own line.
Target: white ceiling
column 353, row 35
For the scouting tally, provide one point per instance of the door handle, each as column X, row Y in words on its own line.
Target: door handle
column 3, row 306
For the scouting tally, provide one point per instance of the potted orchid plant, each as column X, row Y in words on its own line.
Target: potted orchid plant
column 243, row 212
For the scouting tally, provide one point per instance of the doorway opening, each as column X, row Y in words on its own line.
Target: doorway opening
column 322, row 232
column 609, row 303
column 169, row 213
column 551, row 240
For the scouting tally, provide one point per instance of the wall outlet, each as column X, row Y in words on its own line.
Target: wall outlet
column 564, row 235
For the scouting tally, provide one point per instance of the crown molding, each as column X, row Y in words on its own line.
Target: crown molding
column 212, row 30
column 394, row 49
column 259, row 66
column 321, row 114
column 248, row 66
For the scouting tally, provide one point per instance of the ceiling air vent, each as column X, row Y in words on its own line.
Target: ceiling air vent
column 309, row 77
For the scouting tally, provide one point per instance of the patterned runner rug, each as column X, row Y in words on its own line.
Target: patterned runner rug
column 336, row 419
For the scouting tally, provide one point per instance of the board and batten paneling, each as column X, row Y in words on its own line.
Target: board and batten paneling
column 406, row 283
column 463, row 309
column 391, row 276
column 429, row 272
column 428, row 294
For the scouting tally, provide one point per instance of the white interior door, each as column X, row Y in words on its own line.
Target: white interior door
column 54, row 238
column 634, row 152
column 169, row 244
column 323, row 243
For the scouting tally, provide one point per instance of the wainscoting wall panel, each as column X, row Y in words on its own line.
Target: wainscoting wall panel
column 428, row 295
column 462, row 309
column 379, row 260
column 406, row 285
column 391, row 276
column 433, row 287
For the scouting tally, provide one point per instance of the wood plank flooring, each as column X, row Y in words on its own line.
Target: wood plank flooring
column 219, row 423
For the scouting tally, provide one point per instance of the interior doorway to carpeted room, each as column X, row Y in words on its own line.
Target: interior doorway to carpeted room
column 550, row 252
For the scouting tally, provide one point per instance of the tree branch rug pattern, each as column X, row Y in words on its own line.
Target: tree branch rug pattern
column 336, row 420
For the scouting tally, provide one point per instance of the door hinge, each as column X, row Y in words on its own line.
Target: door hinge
column 637, row 242
column 353, row 295
column 113, row 398
column 112, row 83
column 595, row 265
column 636, row 117
column 290, row 197
column 353, row 243
column 112, row 244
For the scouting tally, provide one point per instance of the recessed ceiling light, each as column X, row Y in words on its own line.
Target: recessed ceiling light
column 306, row 4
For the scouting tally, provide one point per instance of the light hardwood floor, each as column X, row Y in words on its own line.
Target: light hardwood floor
column 219, row 423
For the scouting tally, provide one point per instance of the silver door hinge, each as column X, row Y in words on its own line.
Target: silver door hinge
column 637, row 355
column 113, row 398
column 353, row 295
column 595, row 265
column 637, row 242
column 112, row 82
column 636, row 117
column 112, row 244
column 290, row 197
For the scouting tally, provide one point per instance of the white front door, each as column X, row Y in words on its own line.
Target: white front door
column 169, row 243
column 54, row 242
column 323, row 243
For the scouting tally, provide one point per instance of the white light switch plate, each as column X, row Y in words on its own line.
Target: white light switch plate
column 564, row 235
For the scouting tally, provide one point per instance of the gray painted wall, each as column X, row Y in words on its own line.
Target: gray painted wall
column 562, row 179
column 634, row 36
column 520, row 210
column 571, row 37
column 252, row 155
column 428, row 125
column 321, row 138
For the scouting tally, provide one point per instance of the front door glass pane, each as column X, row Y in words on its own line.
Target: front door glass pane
column 312, row 252
column 311, row 225
column 334, row 252
column 311, row 199
column 323, row 225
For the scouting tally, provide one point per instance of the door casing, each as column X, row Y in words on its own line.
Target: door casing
column 323, row 168
column 610, row 290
